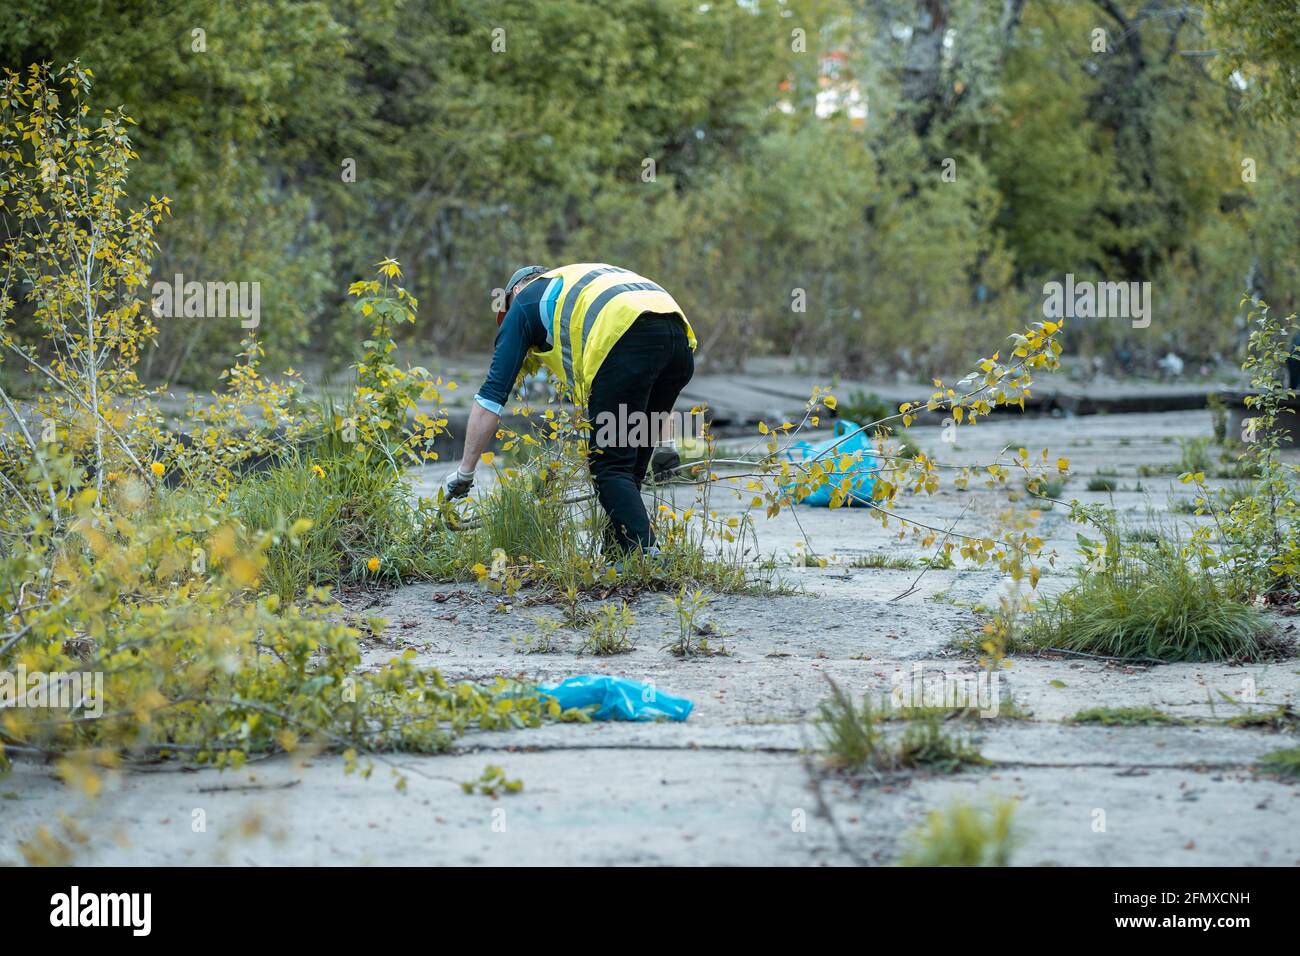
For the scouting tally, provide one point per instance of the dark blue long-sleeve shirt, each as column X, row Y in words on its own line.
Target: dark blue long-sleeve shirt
column 522, row 329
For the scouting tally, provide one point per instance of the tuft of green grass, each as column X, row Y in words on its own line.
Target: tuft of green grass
column 853, row 737
column 940, row 561
column 925, row 743
column 1280, row 763
column 341, row 519
column 1155, row 471
column 962, row 835
column 1234, row 467
column 1150, row 604
column 529, row 522
column 491, row 782
column 1101, row 484
column 885, row 561
column 1123, row 717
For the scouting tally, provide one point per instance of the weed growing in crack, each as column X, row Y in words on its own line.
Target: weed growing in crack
column 853, row 737
column 963, row 835
column 1281, row 718
column 692, row 633
column 1284, row 764
column 608, row 632
column 492, row 782
column 1123, row 717
column 544, row 641
column 926, row 744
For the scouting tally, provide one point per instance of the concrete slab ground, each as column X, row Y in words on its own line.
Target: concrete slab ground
column 656, row 797
column 740, row 782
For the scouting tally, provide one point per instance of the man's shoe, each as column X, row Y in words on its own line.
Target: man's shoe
column 652, row 558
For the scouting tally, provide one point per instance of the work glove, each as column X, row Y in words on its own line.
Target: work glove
column 662, row 464
column 457, row 484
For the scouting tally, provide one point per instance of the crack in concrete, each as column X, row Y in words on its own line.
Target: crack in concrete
column 735, row 748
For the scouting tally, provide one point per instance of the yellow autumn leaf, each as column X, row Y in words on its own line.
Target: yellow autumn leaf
column 243, row 572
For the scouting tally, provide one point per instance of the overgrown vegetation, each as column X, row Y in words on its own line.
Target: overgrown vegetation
column 1145, row 595
column 197, row 605
column 1255, row 534
column 193, row 564
column 201, row 588
column 355, row 522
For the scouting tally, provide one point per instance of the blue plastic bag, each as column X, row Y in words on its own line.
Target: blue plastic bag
column 861, row 475
column 615, row 698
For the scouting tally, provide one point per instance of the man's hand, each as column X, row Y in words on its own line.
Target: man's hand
column 663, row 464
column 457, row 484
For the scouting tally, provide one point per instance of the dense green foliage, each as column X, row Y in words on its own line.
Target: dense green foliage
column 484, row 134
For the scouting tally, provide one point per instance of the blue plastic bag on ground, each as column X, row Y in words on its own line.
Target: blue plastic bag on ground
column 861, row 475
column 616, row 698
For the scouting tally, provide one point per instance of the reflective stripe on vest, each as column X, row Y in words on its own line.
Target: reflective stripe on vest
column 603, row 301
column 566, row 314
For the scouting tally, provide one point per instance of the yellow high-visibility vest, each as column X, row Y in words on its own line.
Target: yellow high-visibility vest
column 587, row 307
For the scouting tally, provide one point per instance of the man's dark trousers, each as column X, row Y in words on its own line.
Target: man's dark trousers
column 644, row 372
